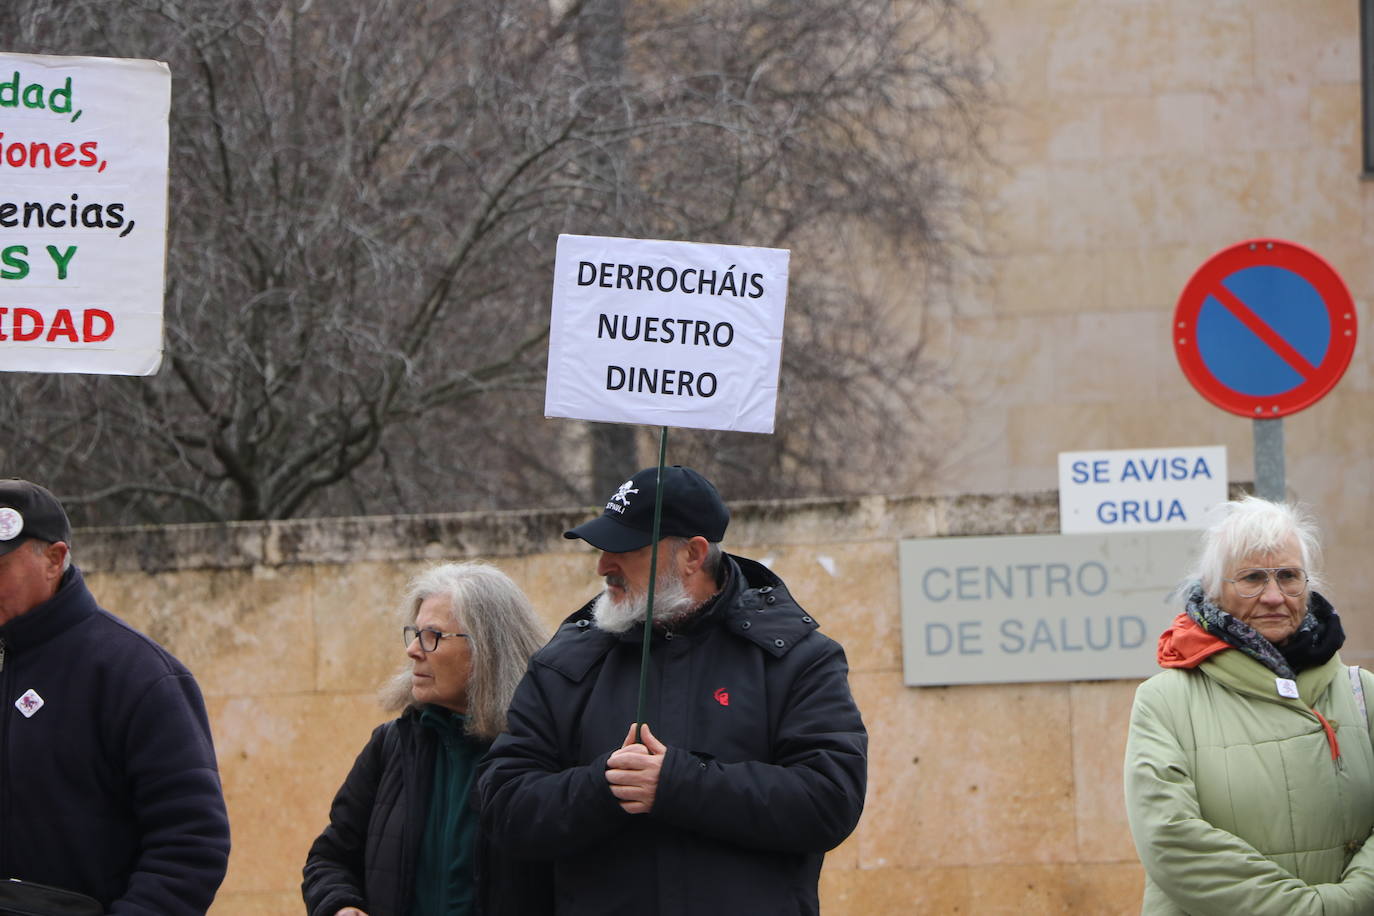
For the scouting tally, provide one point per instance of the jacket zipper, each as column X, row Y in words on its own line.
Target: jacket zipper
column 4, row 762
column 1330, row 737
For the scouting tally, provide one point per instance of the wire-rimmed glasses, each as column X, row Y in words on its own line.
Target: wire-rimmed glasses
column 1291, row 580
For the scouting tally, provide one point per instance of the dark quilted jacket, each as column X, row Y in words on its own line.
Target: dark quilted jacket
column 765, row 772
column 366, row 856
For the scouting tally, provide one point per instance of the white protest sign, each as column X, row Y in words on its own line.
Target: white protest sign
column 83, row 213
column 1140, row 489
column 666, row 333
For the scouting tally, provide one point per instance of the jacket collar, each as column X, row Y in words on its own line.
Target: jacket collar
column 1187, row 645
column 753, row 604
column 1243, row 674
column 72, row 604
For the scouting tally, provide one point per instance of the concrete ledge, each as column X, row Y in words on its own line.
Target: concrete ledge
column 240, row 545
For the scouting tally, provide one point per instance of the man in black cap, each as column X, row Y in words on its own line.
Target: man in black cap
column 751, row 763
column 108, row 782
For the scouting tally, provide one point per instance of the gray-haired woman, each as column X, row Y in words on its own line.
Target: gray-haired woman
column 403, row 838
column 1249, row 768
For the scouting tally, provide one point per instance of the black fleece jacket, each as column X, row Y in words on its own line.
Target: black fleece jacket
column 110, row 786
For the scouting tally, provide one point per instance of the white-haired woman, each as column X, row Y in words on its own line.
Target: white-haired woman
column 403, row 838
column 1249, row 771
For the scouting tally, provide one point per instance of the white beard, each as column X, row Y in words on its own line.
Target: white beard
column 672, row 603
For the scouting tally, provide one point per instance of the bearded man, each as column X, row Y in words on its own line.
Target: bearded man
column 752, row 761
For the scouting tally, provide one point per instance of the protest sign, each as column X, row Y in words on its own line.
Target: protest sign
column 83, row 213
column 666, row 333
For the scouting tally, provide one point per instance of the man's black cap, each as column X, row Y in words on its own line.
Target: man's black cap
column 691, row 508
column 29, row 511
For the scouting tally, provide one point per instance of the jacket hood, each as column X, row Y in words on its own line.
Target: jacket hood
column 1187, row 645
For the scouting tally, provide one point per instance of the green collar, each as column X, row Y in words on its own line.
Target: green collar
column 1243, row 674
column 449, row 724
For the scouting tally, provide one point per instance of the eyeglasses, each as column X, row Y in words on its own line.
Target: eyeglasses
column 1291, row 580
column 429, row 637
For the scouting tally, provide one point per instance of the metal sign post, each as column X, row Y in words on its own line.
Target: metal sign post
column 1269, row 467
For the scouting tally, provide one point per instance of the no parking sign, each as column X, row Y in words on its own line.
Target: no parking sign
column 1264, row 328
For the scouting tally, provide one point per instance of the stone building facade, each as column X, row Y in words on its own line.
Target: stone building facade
column 1136, row 138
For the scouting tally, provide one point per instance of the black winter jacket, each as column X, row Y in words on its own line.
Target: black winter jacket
column 367, row 856
column 110, row 787
column 765, row 771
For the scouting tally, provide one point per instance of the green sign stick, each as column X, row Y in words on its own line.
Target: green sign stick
column 653, row 577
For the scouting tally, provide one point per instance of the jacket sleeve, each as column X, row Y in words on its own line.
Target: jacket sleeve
column 533, row 805
column 334, row 866
column 1204, row 870
column 807, row 799
column 175, row 789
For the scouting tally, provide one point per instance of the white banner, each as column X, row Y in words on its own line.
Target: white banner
column 83, row 213
column 1144, row 489
column 666, row 333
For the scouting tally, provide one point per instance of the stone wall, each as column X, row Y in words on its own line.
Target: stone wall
column 982, row 799
column 1136, row 138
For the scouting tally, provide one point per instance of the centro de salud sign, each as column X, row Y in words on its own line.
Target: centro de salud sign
column 1039, row 607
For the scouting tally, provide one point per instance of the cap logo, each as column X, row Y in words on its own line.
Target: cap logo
column 11, row 523
column 625, row 490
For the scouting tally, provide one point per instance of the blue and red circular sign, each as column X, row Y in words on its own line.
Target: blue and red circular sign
column 1264, row 328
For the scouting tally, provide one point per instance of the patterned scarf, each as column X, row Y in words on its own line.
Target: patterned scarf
column 1318, row 637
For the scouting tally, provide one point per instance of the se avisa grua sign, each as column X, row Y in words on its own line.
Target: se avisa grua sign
column 83, row 213
column 666, row 333
column 1144, row 489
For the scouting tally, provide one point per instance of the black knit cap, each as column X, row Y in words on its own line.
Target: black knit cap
column 691, row 508
column 29, row 511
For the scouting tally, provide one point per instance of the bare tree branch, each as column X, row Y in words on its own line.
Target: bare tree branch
column 365, row 200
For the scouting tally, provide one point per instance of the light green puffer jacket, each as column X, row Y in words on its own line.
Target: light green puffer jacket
column 1235, row 803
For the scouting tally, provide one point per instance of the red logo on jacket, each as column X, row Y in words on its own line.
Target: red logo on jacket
column 722, row 697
